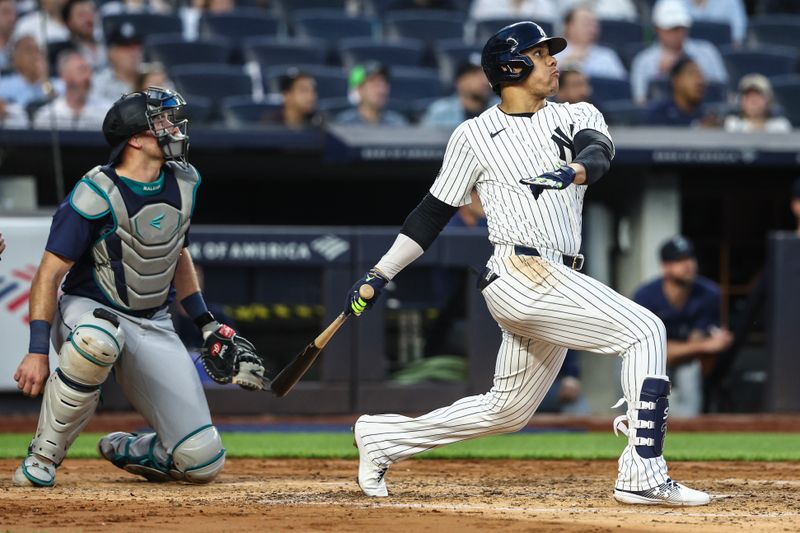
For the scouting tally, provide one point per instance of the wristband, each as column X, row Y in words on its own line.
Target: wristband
column 40, row 337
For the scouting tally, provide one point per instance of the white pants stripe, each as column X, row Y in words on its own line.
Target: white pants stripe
column 543, row 308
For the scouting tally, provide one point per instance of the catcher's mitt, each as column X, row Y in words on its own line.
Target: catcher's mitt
column 230, row 358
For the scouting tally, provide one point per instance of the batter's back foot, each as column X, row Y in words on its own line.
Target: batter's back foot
column 670, row 493
column 370, row 476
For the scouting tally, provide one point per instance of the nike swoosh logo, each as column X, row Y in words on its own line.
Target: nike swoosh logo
column 493, row 135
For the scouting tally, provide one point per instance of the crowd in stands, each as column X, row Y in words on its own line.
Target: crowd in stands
column 729, row 64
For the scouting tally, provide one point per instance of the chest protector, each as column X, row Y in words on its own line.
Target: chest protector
column 136, row 274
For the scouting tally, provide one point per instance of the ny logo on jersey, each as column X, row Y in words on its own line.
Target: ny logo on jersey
column 564, row 143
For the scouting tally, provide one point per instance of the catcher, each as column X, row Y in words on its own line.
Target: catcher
column 120, row 239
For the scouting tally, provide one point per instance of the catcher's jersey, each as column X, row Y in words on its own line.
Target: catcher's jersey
column 493, row 151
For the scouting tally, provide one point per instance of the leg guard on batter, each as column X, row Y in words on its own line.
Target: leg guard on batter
column 199, row 456
column 647, row 417
column 72, row 392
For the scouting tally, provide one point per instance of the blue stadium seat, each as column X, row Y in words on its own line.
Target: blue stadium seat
column 618, row 33
column 268, row 51
column 716, row 93
column 486, row 28
column 290, row 7
column 787, row 89
column 214, row 82
column 429, row 26
column 606, row 89
column 332, row 25
column 718, row 33
column 409, row 84
column 450, row 54
column 623, row 113
column 766, row 60
column 199, row 109
column 379, row 8
column 405, row 53
column 240, row 24
column 782, row 30
column 172, row 50
column 331, row 81
column 330, row 107
column 239, row 111
column 146, row 24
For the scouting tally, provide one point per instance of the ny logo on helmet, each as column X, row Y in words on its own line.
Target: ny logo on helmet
column 514, row 44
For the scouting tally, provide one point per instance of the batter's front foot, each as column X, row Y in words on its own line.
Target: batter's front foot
column 370, row 476
column 35, row 471
column 116, row 448
column 670, row 493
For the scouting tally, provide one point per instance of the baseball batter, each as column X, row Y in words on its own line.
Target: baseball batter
column 530, row 161
column 120, row 239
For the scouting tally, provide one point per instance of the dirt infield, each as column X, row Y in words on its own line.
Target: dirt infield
column 319, row 495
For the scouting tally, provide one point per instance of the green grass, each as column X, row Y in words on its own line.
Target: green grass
column 580, row 446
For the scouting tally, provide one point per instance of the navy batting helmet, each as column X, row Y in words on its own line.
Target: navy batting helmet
column 503, row 52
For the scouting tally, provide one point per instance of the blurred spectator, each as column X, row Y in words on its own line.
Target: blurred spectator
column 79, row 16
column 190, row 15
column 27, row 83
column 537, row 10
column 796, row 203
column 689, row 306
column 684, row 106
column 470, row 215
column 573, row 86
column 731, row 12
column 581, row 31
column 473, row 96
column 605, row 9
column 12, row 116
column 672, row 22
column 421, row 4
column 73, row 110
column 371, row 83
column 565, row 395
column 152, row 75
column 54, row 28
column 755, row 108
column 135, row 6
column 8, row 18
column 124, row 60
column 299, row 92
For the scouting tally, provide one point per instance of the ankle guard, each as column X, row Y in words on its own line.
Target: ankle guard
column 647, row 418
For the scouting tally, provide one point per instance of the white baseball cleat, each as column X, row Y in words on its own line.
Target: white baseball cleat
column 35, row 471
column 370, row 476
column 669, row 493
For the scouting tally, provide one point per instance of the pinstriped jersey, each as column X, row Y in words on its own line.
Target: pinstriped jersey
column 493, row 151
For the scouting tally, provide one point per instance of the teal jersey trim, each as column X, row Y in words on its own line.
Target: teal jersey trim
column 145, row 189
column 96, row 189
column 194, row 192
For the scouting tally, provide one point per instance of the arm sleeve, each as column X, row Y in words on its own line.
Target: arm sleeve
column 70, row 233
column 459, row 172
column 594, row 151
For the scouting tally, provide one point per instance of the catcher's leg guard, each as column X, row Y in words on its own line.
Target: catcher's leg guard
column 72, row 392
column 199, row 456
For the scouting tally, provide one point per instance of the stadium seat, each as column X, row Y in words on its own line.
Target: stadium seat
column 716, row 92
column 331, row 81
column 717, row 33
column 172, row 50
column 450, row 54
column 782, row 30
column 405, row 53
column 606, row 89
column 240, row 111
column 486, row 28
column 240, row 24
column 380, row 7
column 766, row 60
column 410, row 84
column 290, row 7
column 623, row 113
column 332, row 25
column 787, row 89
column 330, row 107
column 198, row 109
column 430, row 26
column 214, row 82
column 618, row 33
column 146, row 24
column 268, row 51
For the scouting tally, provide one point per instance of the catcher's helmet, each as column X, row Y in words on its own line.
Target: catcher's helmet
column 156, row 109
column 503, row 52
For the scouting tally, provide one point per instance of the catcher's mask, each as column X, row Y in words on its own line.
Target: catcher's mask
column 157, row 110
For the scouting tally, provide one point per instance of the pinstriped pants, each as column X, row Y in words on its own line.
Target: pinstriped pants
column 543, row 308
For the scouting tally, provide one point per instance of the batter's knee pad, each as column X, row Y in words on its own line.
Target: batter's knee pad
column 199, row 456
column 72, row 392
column 647, row 417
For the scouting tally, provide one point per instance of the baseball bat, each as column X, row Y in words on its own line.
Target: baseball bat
column 294, row 371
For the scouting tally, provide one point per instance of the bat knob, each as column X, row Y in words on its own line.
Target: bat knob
column 366, row 291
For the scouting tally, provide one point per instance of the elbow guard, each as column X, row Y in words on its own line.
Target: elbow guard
column 426, row 221
column 595, row 152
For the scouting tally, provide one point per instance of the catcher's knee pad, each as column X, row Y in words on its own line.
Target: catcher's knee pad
column 647, row 417
column 199, row 456
column 72, row 392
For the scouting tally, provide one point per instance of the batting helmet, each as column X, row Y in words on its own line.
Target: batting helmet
column 504, row 51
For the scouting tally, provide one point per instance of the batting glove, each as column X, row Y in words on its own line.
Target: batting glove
column 557, row 179
column 354, row 303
